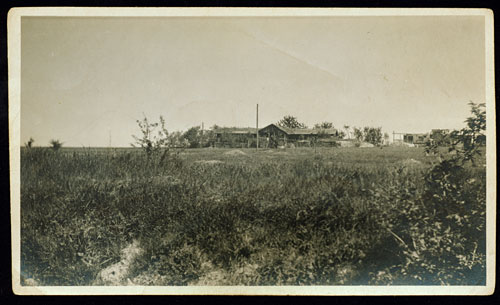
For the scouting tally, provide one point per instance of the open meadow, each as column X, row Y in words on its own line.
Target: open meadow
column 325, row 216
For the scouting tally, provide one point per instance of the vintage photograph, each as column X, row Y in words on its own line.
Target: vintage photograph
column 199, row 150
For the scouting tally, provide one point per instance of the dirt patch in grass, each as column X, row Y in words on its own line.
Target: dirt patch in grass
column 165, row 180
column 366, row 145
column 244, row 274
column 235, row 152
column 117, row 274
column 209, row 161
column 411, row 162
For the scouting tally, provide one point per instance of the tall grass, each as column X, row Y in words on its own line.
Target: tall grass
column 295, row 217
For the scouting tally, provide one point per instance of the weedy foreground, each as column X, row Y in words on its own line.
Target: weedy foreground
column 331, row 216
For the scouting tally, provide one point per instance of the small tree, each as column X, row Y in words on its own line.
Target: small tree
column 323, row 125
column 358, row 134
column 208, row 138
column 150, row 141
column 175, row 139
column 55, row 144
column 440, row 137
column 193, row 136
column 289, row 121
column 467, row 141
column 30, row 142
column 373, row 135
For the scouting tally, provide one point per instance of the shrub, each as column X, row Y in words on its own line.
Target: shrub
column 29, row 144
column 150, row 141
column 55, row 144
column 440, row 230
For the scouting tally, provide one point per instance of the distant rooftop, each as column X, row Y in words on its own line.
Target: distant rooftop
column 235, row 130
column 290, row 131
column 305, row 131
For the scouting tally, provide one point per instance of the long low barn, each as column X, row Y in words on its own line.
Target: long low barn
column 274, row 136
column 235, row 137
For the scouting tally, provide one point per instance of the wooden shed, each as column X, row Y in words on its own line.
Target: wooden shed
column 235, row 137
column 274, row 136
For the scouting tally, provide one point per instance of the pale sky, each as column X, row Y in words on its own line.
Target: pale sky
column 86, row 79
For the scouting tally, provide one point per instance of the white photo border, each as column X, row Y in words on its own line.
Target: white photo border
column 14, row 68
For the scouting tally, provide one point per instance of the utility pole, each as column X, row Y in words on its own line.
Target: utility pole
column 257, row 123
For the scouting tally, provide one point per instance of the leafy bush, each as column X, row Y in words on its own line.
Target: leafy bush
column 373, row 135
column 468, row 141
column 55, row 144
column 440, row 230
column 150, row 141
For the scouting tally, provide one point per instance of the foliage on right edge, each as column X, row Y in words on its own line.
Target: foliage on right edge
column 441, row 231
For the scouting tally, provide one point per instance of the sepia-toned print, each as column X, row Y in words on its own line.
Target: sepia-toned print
column 252, row 151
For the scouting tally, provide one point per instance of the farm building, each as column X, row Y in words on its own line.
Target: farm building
column 415, row 138
column 411, row 139
column 235, row 137
column 275, row 136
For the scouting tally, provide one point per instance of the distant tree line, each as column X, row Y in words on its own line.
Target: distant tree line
column 155, row 137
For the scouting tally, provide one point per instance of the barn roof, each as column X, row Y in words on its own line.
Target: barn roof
column 330, row 131
column 288, row 131
column 235, row 130
column 303, row 131
column 285, row 130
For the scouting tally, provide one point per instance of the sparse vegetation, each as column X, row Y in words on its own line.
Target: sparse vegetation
column 150, row 141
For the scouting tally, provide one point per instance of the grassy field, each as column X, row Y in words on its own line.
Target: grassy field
column 329, row 216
